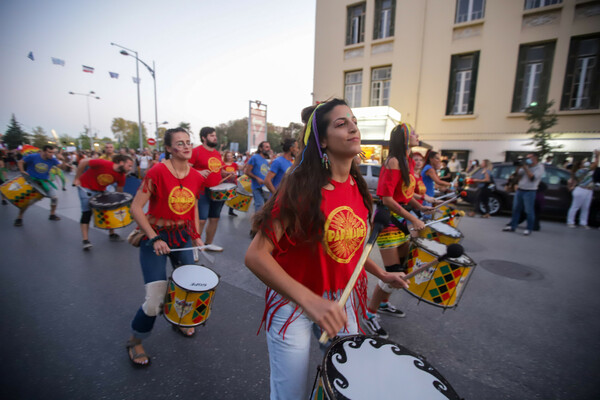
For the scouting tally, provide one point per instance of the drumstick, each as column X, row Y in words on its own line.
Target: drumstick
column 210, row 259
column 446, row 202
column 433, row 222
column 453, row 250
column 444, row 196
column 382, row 218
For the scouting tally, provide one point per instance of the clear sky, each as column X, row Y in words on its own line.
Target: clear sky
column 211, row 57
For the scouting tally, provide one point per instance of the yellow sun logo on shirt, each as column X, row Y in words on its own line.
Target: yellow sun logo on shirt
column 408, row 191
column 105, row 179
column 181, row 200
column 214, row 164
column 344, row 234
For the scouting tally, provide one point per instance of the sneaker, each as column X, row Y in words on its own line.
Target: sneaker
column 586, row 227
column 114, row 237
column 508, row 229
column 87, row 245
column 375, row 328
column 233, row 214
column 526, row 232
column 4, row 202
column 387, row 308
column 54, row 217
column 572, row 226
column 213, row 247
column 18, row 222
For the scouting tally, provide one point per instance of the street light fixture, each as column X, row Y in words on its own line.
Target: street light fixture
column 91, row 94
column 152, row 71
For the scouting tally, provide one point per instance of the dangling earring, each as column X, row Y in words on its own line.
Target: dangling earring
column 325, row 161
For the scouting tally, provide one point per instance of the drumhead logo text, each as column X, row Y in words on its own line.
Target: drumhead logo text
column 181, row 200
column 105, row 179
column 214, row 164
column 344, row 234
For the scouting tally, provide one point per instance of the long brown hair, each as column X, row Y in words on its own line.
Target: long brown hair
column 399, row 144
column 298, row 197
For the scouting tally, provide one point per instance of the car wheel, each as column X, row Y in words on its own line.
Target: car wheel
column 494, row 204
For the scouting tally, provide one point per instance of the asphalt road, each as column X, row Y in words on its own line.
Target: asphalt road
column 526, row 330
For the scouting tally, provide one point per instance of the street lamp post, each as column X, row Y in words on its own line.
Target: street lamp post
column 88, row 95
column 153, row 73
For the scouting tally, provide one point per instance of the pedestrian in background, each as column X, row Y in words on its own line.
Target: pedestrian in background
column 454, row 166
column 582, row 181
column 483, row 178
column 257, row 169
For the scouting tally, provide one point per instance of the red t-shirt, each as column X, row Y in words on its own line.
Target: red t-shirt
column 203, row 159
column 100, row 174
column 390, row 184
column 233, row 167
column 171, row 198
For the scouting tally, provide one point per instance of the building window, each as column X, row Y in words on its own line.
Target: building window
column 355, row 29
column 353, row 88
column 533, row 75
column 463, row 80
column 582, row 80
column 469, row 10
column 385, row 13
column 530, row 4
column 381, row 80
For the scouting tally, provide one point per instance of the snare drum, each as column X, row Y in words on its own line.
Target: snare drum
column 222, row 192
column 111, row 210
column 22, row 192
column 441, row 232
column 447, row 211
column 367, row 367
column 442, row 284
column 241, row 201
column 190, row 293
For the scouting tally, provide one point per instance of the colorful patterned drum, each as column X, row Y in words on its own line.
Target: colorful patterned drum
column 241, row 201
column 442, row 284
column 368, row 367
column 441, row 232
column 190, row 293
column 222, row 192
column 245, row 183
column 111, row 210
column 448, row 211
column 21, row 192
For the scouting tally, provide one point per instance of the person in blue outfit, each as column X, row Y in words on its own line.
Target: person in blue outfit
column 257, row 169
column 36, row 167
column 281, row 164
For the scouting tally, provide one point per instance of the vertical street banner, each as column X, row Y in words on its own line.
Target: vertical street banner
column 257, row 125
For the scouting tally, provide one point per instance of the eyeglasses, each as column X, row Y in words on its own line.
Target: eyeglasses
column 181, row 143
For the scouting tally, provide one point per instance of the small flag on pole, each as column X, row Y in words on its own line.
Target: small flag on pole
column 88, row 69
column 58, row 61
column 113, row 75
column 135, row 80
column 30, row 56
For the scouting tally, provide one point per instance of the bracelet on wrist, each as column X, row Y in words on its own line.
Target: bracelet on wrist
column 153, row 240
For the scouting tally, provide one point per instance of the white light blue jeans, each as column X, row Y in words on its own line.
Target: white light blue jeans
column 289, row 359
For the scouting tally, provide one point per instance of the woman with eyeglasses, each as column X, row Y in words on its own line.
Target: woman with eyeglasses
column 172, row 188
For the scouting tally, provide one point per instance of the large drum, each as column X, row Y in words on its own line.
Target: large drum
column 111, row 210
column 449, row 211
column 245, row 183
column 241, row 201
column 367, row 367
column 441, row 232
column 222, row 192
column 442, row 284
column 189, row 297
column 22, row 192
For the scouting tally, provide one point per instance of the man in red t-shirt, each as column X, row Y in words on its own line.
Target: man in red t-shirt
column 207, row 160
column 99, row 175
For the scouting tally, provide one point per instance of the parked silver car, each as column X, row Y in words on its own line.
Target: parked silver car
column 371, row 174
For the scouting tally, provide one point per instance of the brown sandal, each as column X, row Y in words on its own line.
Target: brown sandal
column 134, row 355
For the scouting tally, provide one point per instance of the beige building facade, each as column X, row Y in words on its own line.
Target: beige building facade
column 463, row 71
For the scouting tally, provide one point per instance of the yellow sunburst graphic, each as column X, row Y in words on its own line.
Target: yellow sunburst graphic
column 105, row 179
column 344, row 234
column 214, row 164
column 408, row 191
column 181, row 200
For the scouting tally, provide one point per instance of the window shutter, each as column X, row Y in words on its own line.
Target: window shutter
column 595, row 89
column 393, row 18
column 451, row 85
column 349, row 26
column 518, row 92
column 474, row 70
column 566, row 96
column 547, row 71
column 377, row 18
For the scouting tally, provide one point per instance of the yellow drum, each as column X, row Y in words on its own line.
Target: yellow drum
column 441, row 232
column 222, row 192
column 441, row 285
column 241, row 202
column 190, row 294
column 111, row 210
column 448, row 211
column 245, row 183
column 21, row 192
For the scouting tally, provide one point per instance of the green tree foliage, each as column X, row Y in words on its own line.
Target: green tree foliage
column 66, row 140
column 185, row 125
column 14, row 135
column 127, row 134
column 540, row 120
column 235, row 131
column 39, row 138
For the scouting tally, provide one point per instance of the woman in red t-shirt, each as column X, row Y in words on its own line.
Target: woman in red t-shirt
column 172, row 188
column 395, row 188
column 229, row 171
column 308, row 242
column 420, row 189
